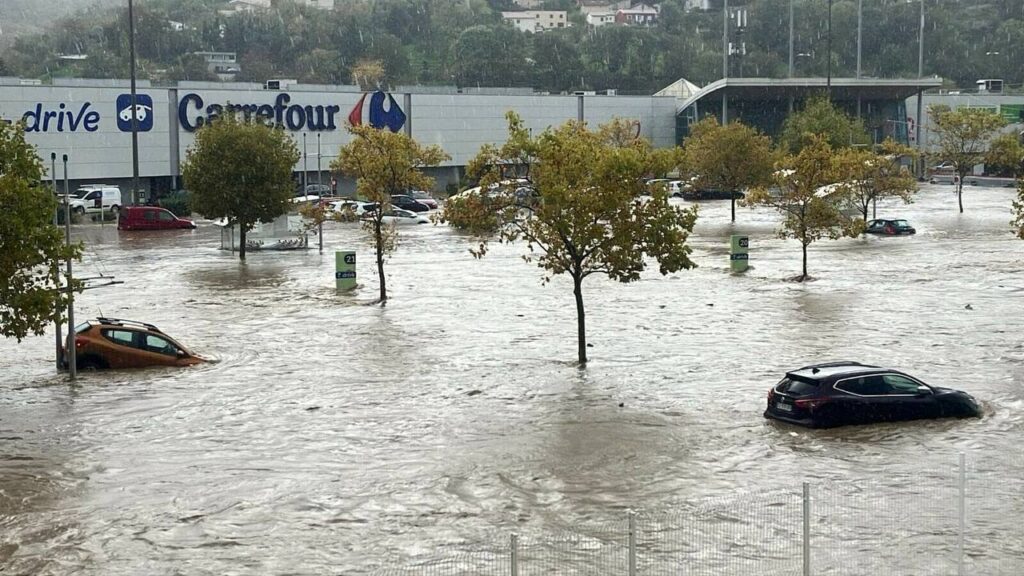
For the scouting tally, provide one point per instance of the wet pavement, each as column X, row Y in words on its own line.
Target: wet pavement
column 335, row 436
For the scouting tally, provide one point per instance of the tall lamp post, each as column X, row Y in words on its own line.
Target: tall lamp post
column 135, row 108
column 828, row 56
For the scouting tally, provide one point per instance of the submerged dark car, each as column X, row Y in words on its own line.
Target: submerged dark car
column 841, row 393
column 889, row 227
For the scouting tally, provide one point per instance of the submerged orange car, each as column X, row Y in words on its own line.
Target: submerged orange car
column 117, row 343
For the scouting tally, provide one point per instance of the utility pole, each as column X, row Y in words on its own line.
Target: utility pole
column 56, row 264
column 135, row 109
column 69, row 348
column 790, row 38
column 860, row 26
column 305, row 165
column 725, row 61
column 828, row 56
column 319, row 175
column 920, row 74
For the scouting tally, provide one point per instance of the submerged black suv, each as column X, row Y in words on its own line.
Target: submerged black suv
column 840, row 393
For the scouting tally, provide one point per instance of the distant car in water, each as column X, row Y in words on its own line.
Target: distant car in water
column 408, row 203
column 841, row 393
column 355, row 207
column 150, row 218
column 117, row 343
column 400, row 217
column 889, row 227
column 424, row 197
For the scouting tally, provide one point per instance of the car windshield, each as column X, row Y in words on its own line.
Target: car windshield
column 82, row 327
column 797, row 387
column 423, row 195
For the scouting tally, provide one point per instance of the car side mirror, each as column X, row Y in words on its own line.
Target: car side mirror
column 924, row 391
column 181, row 354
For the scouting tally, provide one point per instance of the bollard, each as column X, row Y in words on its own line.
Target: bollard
column 344, row 271
column 738, row 246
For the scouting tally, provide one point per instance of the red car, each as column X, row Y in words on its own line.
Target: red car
column 150, row 218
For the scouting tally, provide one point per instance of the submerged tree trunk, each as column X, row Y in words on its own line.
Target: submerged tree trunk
column 733, row 208
column 241, row 241
column 581, row 318
column 960, row 194
column 804, row 276
column 380, row 261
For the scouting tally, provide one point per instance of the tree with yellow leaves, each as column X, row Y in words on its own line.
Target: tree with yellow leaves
column 575, row 196
column 385, row 163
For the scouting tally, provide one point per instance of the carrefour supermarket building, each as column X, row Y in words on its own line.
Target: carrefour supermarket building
column 90, row 122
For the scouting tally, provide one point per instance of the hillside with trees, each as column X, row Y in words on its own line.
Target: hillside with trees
column 465, row 43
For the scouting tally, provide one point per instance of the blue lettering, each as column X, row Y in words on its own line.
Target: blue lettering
column 92, row 121
column 75, row 121
column 46, row 119
column 296, row 118
column 279, row 107
column 60, row 118
column 183, row 118
column 265, row 114
column 212, row 111
column 39, row 120
column 331, row 111
column 32, row 120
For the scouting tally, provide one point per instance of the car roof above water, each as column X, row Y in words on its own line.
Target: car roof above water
column 829, row 369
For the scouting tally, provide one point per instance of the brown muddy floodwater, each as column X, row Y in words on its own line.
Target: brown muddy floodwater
column 338, row 437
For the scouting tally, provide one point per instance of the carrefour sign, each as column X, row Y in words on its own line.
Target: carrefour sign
column 194, row 112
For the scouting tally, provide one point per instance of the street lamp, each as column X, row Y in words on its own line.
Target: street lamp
column 134, row 107
column 828, row 67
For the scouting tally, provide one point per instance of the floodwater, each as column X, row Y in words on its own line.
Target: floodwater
column 335, row 436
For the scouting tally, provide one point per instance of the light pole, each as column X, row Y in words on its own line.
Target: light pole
column 920, row 106
column 828, row 57
column 56, row 263
column 69, row 347
column 319, row 175
column 305, row 165
column 135, row 109
column 725, row 60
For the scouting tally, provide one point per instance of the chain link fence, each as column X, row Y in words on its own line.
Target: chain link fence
column 963, row 519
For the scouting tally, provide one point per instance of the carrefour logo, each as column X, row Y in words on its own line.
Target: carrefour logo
column 194, row 112
column 143, row 112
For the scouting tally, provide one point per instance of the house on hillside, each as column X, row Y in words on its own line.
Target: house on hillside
column 223, row 64
column 639, row 15
column 536, row 20
column 236, row 6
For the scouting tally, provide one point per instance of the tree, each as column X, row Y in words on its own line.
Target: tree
column 368, row 74
column 490, row 56
column 733, row 157
column 32, row 247
column 574, row 198
column 880, row 174
column 963, row 137
column 1006, row 156
column 821, row 118
column 241, row 171
column 1018, row 208
column 385, row 163
column 806, row 193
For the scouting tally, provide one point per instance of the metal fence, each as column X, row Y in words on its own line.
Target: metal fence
column 962, row 519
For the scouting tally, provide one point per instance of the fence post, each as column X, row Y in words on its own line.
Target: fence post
column 807, row 529
column 961, row 514
column 632, row 543
column 514, row 548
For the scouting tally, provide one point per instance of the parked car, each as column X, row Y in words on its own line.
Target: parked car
column 400, row 217
column 117, row 343
column 408, row 203
column 840, row 393
column 96, row 198
column 889, row 227
column 356, row 207
column 424, row 197
column 150, row 218
column 316, row 190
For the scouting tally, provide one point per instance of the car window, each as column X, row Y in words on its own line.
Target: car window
column 92, row 196
column 900, row 384
column 159, row 345
column 863, row 386
column 901, row 223
column 166, row 216
column 797, row 387
column 122, row 337
column 148, row 214
column 82, row 327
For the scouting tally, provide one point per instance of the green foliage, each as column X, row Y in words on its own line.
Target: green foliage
column 963, row 136
column 573, row 196
column 422, row 40
column 729, row 158
column 385, row 163
column 809, row 189
column 32, row 249
column 821, row 118
column 1018, row 211
column 878, row 174
column 1005, row 156
column 177, row 202
column 241, row 171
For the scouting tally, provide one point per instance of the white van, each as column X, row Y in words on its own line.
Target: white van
column 96, row 198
